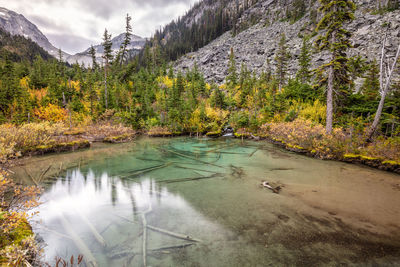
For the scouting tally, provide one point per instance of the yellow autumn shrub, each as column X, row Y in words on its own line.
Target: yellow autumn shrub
column 52, row 113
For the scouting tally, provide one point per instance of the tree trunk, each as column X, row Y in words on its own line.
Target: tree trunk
column 105, row 87
column 329, row 93
column 329, row 101
column 378, row 115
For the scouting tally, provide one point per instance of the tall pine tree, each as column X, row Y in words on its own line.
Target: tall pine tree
column 335, row 39
column 107, row 56
column 281, row 58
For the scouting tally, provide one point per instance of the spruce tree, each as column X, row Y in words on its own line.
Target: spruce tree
column 304, row 73
column 335, row 39
column 107, row 56
column 281, row 59
column 127, row 40
column 92, row 53
column 232, row 72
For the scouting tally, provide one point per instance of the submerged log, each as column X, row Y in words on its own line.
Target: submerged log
column 93, row 229
column 88, row 256
column 146, row 170
column 177, row 235
column 193, row 169
column 252, row 153
column 145, row 226
column 191, row 179
column 189, row 157
column 172, row 247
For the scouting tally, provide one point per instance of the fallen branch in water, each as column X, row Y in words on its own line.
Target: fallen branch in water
column 252, row 153
column 30, row 176
column 94, row 231
column 191, row 178
column 220, row 148
column 188, row 157
column 145, row 226
column 276, row 190
column 43, row 174
column 88, row 256
column 172, row 247
column 177, row 235
column 146, row 170
column 194, row 169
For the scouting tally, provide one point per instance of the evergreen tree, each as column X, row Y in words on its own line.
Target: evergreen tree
column 336, row 39
column 127, row 40
column 232, row 72
column 92, row 53
column 371, row 85
column 107, row 56
column 304, row 73
column 217, row 97
column 281, row 59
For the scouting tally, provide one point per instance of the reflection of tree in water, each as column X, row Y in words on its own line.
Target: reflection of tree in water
column 192, row 160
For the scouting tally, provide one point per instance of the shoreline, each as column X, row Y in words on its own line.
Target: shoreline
column 376, row 163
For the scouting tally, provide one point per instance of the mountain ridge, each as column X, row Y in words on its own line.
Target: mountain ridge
column 17, row 24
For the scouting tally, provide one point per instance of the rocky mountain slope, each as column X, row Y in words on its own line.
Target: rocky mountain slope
column 260, row 28
column 137, row 44
column 17, row 48
column 17, row 24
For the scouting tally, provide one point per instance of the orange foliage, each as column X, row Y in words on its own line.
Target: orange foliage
column 38, row 94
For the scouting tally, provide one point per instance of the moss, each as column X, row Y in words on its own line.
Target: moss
column 391, row 162
column 242, row 135
column 19, row 233
column 369, row 158
column 214, row 134
column 118, row 138
column 351, row 156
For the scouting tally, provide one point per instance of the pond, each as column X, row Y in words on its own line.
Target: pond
column 198, row 202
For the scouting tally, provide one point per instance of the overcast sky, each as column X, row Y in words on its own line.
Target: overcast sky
column 74, row 25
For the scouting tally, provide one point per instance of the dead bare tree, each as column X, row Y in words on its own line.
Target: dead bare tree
column 387, row 69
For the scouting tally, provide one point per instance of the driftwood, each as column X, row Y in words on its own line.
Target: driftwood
column 252, row 153
column 218, row 149
column 176, row 235
column 193, row 169
column 145, row 226
column 31, row 177
column 172, row 247
column 147, row 159
column 190, row 179
column 189, row 157
column 95, row 233
column 43, row 174
column 276, row 190
column 88, row 256
column 281, row 169
column 146, row 170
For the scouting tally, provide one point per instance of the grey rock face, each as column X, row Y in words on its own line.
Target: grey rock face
column 256, row 45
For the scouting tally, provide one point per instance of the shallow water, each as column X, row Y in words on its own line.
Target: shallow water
column 203, row 206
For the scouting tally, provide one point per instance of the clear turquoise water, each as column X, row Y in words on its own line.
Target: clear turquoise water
column 114, row 191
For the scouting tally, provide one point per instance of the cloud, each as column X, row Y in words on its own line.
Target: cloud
column 74, row 25
column 70, row 42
